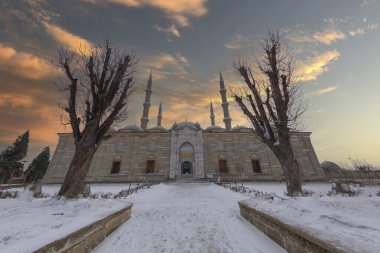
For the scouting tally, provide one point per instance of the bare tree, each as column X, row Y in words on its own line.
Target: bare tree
column 271, row 101
column 96, row 97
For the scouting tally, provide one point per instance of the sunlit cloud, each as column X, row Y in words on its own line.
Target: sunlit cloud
column 314, row 67
column 24, row 64
column 171, row 30
column 71, row 41
column 238, row 41
column 356, row 32
column 179, row 11
column 329, row 36
column 320, row 92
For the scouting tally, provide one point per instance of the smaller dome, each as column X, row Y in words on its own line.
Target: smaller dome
column 241, row 129
column 130, row 129
column 330, row 165
column 158, row 129
column 215, row 129
column 112, row 130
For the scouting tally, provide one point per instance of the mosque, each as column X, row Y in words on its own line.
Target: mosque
column 186, row 151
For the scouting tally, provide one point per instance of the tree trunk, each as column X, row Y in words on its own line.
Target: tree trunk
column 74, row 182
column 291, row 169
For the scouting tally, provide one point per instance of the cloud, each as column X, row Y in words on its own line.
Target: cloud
column 172, row 30
column 320, row 92
column 238, row 41
column 180, row 11
column 183, row 59
column 328, row 36
column 311, row 69
column 71, row 41
column 165, row 65
column 24, row 64
column 358, row 31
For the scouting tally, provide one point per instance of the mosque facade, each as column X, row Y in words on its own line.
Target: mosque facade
column 185, row 151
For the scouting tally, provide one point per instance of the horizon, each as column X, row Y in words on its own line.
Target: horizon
column 186, row 45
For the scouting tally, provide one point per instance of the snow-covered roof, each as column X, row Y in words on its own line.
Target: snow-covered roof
column 241, row 129
column 330, row 165
column 182, row 125
column 130, row 129
column 158, row 129
column 215, row 129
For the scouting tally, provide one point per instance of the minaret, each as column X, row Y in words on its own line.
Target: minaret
column 159, row 116
column 227, row 118
column 148, row 92
column 212, row 116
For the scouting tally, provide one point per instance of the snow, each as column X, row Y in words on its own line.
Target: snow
column 187, row 217
column 27, row 224
column 352, row 222
column 52, row 189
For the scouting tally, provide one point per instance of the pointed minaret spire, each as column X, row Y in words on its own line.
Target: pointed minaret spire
column 159, row 116
column 223, row 92
column 212, row 116
column 148, row 92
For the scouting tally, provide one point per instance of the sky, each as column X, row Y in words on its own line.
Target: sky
column 335, row 45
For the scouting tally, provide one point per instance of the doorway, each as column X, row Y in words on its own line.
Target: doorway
column 186, row 168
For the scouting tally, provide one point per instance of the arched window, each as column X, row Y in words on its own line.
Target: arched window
column 222, row 161
column 150, row 164
column 116, row 164
column 186, row 150
column 256, row 167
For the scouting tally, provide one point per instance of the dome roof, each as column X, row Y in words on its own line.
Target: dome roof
column 130, row 129
column 215, row 129
column 241, row 129
column 158, row 129
column 330, row 165
column 182, row 125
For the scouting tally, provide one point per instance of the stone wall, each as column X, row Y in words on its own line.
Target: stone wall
column 135, row 148
column 88, row 237
column 292, row 239
column 239, row 147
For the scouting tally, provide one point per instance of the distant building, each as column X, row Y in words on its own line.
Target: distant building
column 184, row 151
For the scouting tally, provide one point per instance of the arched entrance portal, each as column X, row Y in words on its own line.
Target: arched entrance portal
column 186, row 159
column 186, row 168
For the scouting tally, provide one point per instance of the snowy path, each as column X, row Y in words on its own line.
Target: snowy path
column 187, row 218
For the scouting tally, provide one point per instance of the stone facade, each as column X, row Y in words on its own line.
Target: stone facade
column 185, row 151
column 133, row 148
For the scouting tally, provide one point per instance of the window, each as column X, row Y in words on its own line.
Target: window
column 223, row 168
column 256, row 166
column 116, row 164
column 115, row 167
column 150, row 166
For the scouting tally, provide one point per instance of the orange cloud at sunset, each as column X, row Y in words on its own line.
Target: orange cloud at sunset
column 71, row 41
column 24, row 64
column 311, row 69
column 180, row 11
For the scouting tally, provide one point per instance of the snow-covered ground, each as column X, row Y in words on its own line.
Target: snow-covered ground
column 352, row 222
column 27, row 224
column 52, row 189
column 187, row 217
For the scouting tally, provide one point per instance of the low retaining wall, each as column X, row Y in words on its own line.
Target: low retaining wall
column 292, row 239
column 88, row 237
column 354, row 176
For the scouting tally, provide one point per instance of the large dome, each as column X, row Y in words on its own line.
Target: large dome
column 182, row 125
column 241, row 129
column 215, row 129
column 130, row 129
column 158, row 129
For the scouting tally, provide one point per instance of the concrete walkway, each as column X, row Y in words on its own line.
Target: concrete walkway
column 187, row 217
